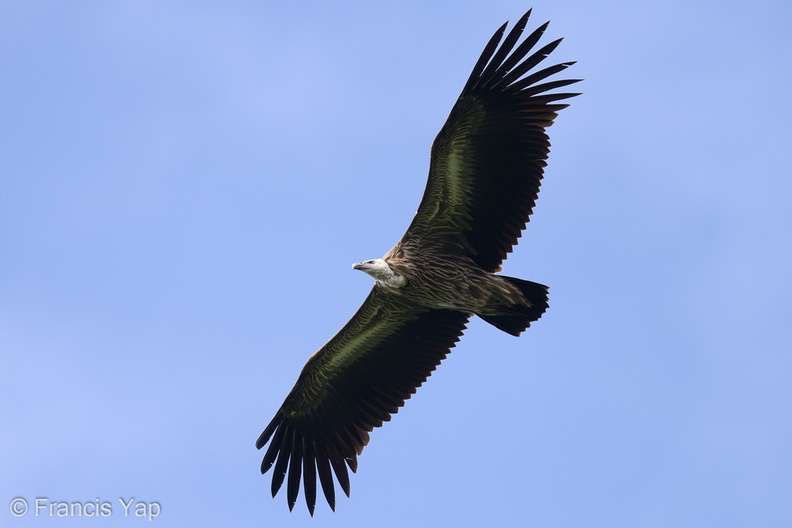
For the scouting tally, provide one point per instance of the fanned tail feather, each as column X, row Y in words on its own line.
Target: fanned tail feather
column 517, row 318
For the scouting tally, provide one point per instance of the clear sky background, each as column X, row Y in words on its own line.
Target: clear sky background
column 186, row 185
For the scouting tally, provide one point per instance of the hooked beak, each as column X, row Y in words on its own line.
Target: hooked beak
column 358, row 266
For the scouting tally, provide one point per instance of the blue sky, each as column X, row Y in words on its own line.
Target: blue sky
column 185, row 187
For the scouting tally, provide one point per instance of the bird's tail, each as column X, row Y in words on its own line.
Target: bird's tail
column 516, row 318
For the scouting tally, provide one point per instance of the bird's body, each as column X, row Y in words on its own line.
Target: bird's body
column 484, row 175
column 435, row 280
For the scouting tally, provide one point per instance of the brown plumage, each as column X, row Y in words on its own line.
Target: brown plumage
column 486, row 166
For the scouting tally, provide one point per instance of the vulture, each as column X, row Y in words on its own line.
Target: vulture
column 486, row 166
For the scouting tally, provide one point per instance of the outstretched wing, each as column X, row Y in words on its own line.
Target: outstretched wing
column 489, row 157
column 350, row 386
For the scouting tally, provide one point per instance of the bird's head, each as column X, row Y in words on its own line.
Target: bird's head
column 379, row 270
column 374, row 267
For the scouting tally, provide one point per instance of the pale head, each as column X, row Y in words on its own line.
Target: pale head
column 379, row 270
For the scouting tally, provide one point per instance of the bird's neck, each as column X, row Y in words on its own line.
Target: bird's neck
column 389, row 277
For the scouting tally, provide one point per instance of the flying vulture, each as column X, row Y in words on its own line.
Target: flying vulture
column 486, row 166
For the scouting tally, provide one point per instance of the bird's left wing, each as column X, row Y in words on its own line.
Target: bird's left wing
column 489, row 157
column 351, row 385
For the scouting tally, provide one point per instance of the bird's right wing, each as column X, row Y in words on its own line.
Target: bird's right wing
column 351, row 385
